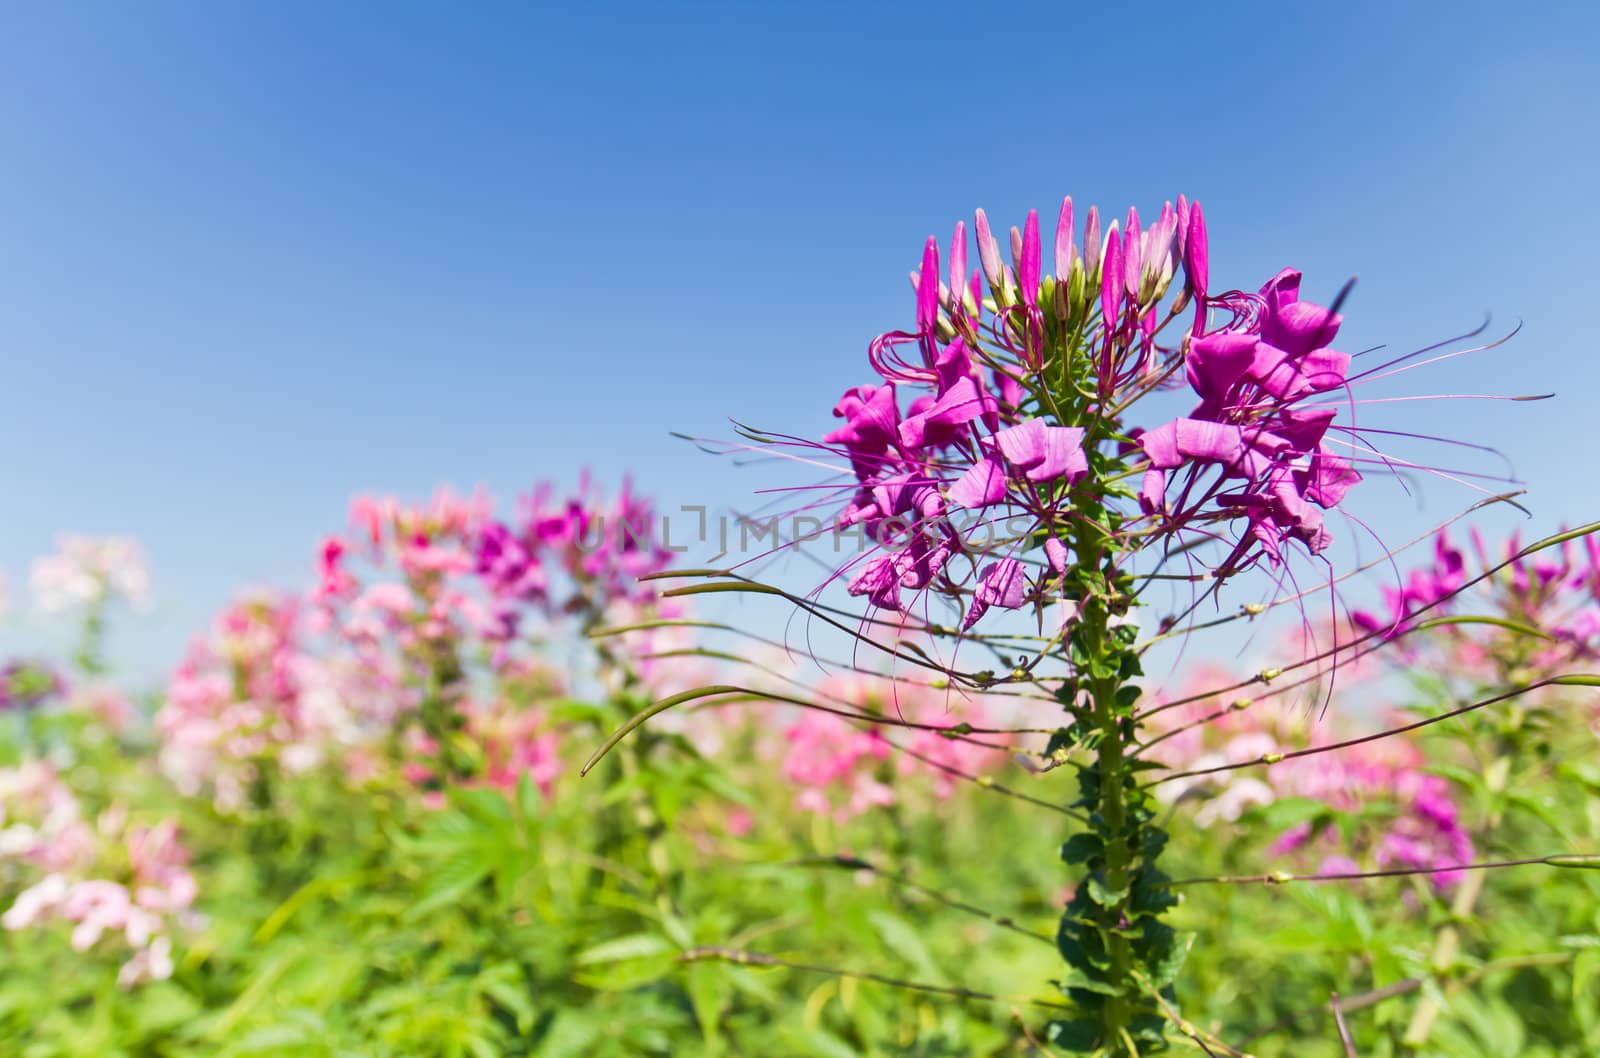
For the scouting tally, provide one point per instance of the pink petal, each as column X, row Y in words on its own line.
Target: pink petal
column 983, row 485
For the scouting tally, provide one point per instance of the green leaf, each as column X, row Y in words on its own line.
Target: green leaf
column 1077, row 979
column 1098, row 891
column 820, row 1044
column 633, row 946
column 1167, row 960
column 486, row 806
column 453, row 880
column 708, row 994
column 902, row 939
column 1080, row 848
column 571, row 1035
column 1074, row 1037
column 1288, row 812
column 527, row 797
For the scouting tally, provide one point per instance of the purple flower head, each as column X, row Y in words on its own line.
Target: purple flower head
column 507, row 566
column 1016, row 423
column 28, row 685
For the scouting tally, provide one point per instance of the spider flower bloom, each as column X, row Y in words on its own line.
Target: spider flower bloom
column 1017, row 410
column 1003, row 422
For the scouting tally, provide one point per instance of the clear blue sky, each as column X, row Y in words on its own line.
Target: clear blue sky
column 256, row 257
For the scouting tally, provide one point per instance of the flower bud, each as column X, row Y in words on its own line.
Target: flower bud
column 958, row 258
column 1196, row 252
column 1064, row 247
column 1029, row 264
column 988, row 251
column 1093, row 247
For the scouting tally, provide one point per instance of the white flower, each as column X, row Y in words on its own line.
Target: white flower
column 85, row 570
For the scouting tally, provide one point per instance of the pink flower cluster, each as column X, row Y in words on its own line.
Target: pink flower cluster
column 1556, row 591
column 112, row 879
column 251, row 696
column 845, row 767
column 432, row 547
column 511, row 734
column 1426, row 833
column 41, row 823
column 467, row 575
column 1009, row 415
column 409, row 602
column 1419, row 825
column 1257, row 425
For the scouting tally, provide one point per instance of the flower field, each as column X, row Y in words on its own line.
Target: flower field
column 1097, row 739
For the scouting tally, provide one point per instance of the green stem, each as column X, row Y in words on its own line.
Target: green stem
column 1122, row 955
column 1111, row 761
column 1447, row 945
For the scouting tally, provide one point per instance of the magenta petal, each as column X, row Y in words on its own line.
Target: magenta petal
column 1003, row 584
column 871, row 417
column 1304, row 427
column 1213, row 442
column 1325, row 369
column 960, row 404
column 1161, row 446
column 1216, row 362
column 1276, row 373
column 1023, row 444
column 953, row 363
column 880, row 581
column 1248, row 453
column 1063, row 456
column 1045, row 453
column 1330, row 477
column 1282, row 289
column 1055, row 553
column 1298, row 327
column 920, row 562
column 1153, row 492
column 983, row 485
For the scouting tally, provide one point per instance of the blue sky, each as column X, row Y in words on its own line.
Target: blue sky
column 255, row 258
